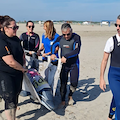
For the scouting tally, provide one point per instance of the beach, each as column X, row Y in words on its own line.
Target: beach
column 91, row 103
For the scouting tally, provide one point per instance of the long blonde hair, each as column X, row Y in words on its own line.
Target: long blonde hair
column 50, row 30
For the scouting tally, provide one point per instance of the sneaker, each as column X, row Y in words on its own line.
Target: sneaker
column 24, row 93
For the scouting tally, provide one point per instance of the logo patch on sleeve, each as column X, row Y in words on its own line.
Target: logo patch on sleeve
column 7, row 50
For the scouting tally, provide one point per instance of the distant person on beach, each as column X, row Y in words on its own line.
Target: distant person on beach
column 70, row 44
column 112, row 48
column 11, row 66
column 48, row 38
column 30, row 41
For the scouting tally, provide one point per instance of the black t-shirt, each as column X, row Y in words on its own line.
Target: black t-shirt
column 10, row 46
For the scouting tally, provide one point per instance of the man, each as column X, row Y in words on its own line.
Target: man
column 69, row 44
column 112, row 48
column 30, row 41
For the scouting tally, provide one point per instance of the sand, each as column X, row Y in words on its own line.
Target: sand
column 90, row 102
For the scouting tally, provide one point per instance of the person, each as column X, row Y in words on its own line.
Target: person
column 30, row 41
column 70, row 44
column 112, row 48
column 11, row 67
column 48, row 39
column 1, row 21
column 2, row 18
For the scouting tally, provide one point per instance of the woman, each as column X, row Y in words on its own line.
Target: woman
column 11, row 70
column 30, row 41
column 2, row 18
column 48, row 39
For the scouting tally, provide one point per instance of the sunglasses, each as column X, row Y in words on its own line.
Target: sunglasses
column 117, row 25
column 14, row 27
column 31, row 27
column 66, row 34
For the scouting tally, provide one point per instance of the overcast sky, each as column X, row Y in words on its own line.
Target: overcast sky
column 79, row 10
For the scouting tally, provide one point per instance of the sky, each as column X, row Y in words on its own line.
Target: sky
column 78, row 10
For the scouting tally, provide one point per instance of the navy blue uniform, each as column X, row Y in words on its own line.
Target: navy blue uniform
column 70, row 50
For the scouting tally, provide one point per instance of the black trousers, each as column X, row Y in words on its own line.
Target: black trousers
column 74, row 75
column 10, row 87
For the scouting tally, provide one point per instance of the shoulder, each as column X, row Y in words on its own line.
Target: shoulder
column 3, row 40
column 109, row 45
column 56, row 35
column 3, row 37
column 59, row 38
column 36, row 35
column 43, row 35
column 75, row 36
column 24, row 34
column 16, row 38
column 110, row 41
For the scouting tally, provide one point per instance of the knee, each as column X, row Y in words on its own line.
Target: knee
column 10, row 102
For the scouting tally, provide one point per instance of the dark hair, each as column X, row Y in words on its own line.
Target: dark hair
column 65, row 26
column 118, row 17
column 6, row 22
column 3, row 19
column 28, row 22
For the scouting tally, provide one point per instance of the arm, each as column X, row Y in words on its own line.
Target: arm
column 76, row 48
column 9, row 60
column 49, row 53
column 24, row 60
column 55, row 47
column 37, row 43
column 41, row 49
column 102, row 71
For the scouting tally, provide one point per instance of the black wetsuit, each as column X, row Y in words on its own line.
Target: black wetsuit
column 31, row 43
column 70, row 50
column 10, row 79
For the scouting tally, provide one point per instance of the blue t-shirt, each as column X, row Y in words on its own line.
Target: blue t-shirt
column 48, row 43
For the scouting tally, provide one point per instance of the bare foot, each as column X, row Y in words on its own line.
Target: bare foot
column 70, row 101
column 18, row 108
column 62, row 105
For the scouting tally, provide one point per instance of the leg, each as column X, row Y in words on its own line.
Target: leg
column 10, row 114
column 63, row 80
column 74, row 75
column 114, row 82
column 112, row 109
column 10, row 91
